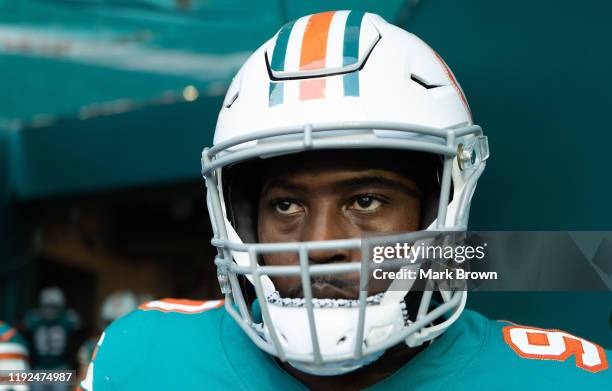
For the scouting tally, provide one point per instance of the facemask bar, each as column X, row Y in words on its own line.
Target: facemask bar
column 306, row 271
column 441, row 141
column 220, row 154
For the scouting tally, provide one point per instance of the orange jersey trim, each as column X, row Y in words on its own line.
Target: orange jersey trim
column 182, row 306
column 8, row 334
column 13, row 356
column 95, row 353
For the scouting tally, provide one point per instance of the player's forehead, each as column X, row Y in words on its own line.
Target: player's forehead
column 336, row 181
column 335, row 167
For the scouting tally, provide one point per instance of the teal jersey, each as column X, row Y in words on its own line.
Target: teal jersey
column 13, row 349
column 9, row 334
column 50, row 337
column 186, row 345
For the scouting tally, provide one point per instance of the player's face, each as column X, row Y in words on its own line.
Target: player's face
column 311, row 203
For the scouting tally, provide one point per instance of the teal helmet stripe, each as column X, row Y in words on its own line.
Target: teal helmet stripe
column 350, row 53
column 277, row 62
column 276, row 93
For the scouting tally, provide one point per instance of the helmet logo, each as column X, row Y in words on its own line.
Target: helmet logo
column 322, row 45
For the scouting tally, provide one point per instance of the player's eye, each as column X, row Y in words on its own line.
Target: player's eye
column 365, row 203
column 286, row 207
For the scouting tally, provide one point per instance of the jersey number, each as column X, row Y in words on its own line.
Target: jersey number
column 50, row 340
column 531, row 342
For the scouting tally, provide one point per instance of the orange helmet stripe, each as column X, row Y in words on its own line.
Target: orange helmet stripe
column 313, row 53
column 314, row 42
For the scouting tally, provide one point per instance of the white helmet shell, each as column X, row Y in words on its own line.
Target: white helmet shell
column 52, row 296
column 401, row 80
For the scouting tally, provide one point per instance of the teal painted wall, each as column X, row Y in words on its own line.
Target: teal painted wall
column 535, row 74
column 156, row 144
column 16, row 243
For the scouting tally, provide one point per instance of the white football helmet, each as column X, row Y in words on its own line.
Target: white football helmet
column 51, row 296
column 339, row 80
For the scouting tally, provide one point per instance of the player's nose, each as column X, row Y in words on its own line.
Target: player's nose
column 325, row 224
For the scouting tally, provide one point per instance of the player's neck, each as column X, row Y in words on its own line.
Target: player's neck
column 388, row 364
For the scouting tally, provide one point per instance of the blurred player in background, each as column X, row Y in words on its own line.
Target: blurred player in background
column 50, row 327
column 13, row 354
column 115, row 306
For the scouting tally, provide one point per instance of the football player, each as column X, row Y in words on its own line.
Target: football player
column 51, row 326
column 340, row 133
column 13, row 356
column 115, row 305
